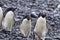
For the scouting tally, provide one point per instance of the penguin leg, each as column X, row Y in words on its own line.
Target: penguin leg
column 36, row 36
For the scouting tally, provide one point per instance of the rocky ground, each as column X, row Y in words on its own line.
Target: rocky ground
column 50, row 7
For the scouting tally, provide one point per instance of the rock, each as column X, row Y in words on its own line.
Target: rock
column 50, row 7
column 33, row 15
column 58, row 6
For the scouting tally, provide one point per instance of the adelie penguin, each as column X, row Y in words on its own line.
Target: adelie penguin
column 1, row 14
column 8, row 21
column 40, row 27
column 25, row 26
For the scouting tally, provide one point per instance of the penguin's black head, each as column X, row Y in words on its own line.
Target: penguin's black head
column 42, row 14
column 27, row 16
column 11, row 9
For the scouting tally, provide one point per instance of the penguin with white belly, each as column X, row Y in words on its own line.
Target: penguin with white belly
column 8, row 20
column 40, row 27
column 1, row 14
column 25, row 26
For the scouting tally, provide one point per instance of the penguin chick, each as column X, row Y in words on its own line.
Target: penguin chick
column 40, row 27
column 8, row 21
column 1, row 16
column 25, row 27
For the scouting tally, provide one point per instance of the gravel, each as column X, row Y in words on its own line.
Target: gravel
column 50, row 7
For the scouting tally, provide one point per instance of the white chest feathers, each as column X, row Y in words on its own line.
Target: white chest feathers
column 40, row 27
column 8, row 21
column 1, row 16
column 25, row 27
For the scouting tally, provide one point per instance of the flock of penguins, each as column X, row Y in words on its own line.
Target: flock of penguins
column 8, row 21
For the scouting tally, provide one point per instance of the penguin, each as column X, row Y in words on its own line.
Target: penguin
column 25, row 26
column 8, row 21
column 40, row 27
column 1, row 14
column 9, row 9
